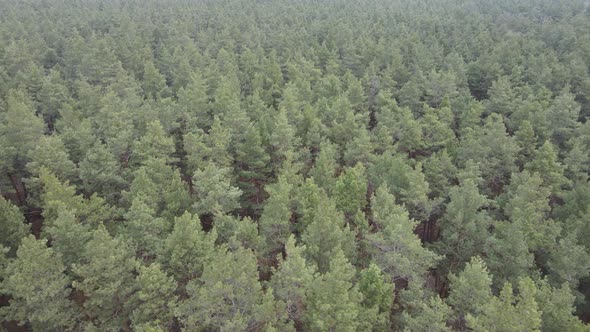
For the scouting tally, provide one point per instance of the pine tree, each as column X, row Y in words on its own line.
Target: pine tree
column 197, row 151
column 385, row 112
column 527, row 141
column 153, row 82
column 528, row 207
column 546, row 164
column 12, row 223
column 562, row 117
column 146, row 230
column 161, row 187
column 396, row 249
column 154, row 302
column 509, row 312
column 202, row 148
column 407, row 132
column 237, row 232
column 41, row 301
column 154, row 144
column 218, row 141
column 377, row 301
column 20, row 130
column 470, row 290
column 436, row 133
column 113, row 123
column 493, row 149
column 275, row 221
column 577, row 161
column 407, row 183
column 508, row 255
column 56, row 195
column 51, row 154
column 307, row 200
column 327, row 234
column 282, row 138
column 213, row 192
column 67, row 236
column 350, row 191
column 291, row 279
column 194, row 103
column 227, row 106
column 431, row 316
column 101, row 173
column 106, row 278
column 333, row 299
column 439, row 172
column 53, row 96
column 252, row 167
column 188, row 249
column 325, row 166
column 569, row 261
column 359, row 150
column 558, row 308
column 227, row 297
column 502, row 98
column 464, row 227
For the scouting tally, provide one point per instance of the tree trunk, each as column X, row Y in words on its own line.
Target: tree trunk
column 19, row 189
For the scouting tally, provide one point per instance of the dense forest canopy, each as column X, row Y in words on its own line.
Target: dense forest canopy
column 295, row 165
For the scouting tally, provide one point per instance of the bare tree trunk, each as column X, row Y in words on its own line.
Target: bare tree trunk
column 19, row 189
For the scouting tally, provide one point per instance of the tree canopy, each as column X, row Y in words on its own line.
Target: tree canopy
column 295, row 165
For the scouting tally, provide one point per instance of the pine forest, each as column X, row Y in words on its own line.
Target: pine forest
column 295, row 165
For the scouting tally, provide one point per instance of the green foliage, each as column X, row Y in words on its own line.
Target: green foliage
column 284, row 165
column 545, row 163
column 252, row 167
column 154, row 144
column 377, row 293
column 275, row 221
column 67, row 236
column 325, row 166
column 154, row 301
column 509, row 312
column 508, row 253
column 56, row 195
column 154, row 83
column 101, row 174
column 528, row 207
column 20, row 130
column 291, row 279
column 12, row 223
column 187, row 249
column 557, row 304
column 493, row 149
column 41, row 301
column 470, row 289
column 50, row 153
column 333, row 298
column 213, row 147
column 432, row 315
column 465, row 224
column 145, row 229
column 227, row 297
column 237, row 232
column 326, row 235
column 193, row 101
column 350, row 192
column 407, row 183
column 397, row 250
column 105, row 277
column 213, row 191
column 569, row 261
column 161, row 187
